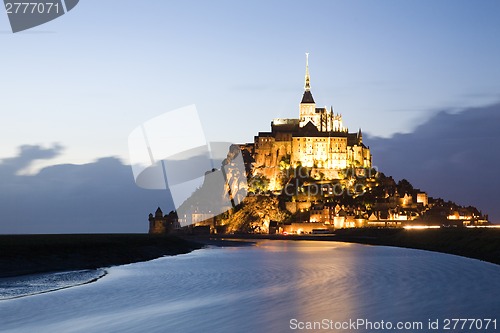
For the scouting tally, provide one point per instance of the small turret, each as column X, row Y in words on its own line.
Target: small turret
column 157, row 223
column 158, row 213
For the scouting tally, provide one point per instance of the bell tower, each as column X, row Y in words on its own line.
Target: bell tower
column 307, row 110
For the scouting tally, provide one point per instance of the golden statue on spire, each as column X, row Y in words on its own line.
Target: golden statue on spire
column 307, row 84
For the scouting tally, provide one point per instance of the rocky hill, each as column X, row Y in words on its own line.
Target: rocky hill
column 254, row 215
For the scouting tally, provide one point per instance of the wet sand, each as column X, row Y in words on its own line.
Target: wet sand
column 30, row 254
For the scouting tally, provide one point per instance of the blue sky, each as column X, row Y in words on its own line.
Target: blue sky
column 87, row 79
column 72, row 91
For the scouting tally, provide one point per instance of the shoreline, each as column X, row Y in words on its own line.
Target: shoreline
column 480, row 244
column 104, row 273
column 34, row 254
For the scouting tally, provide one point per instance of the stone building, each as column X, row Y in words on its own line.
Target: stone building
column 163, row 224
column 318, row 140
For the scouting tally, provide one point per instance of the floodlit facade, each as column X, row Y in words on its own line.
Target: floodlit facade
column 318, row 139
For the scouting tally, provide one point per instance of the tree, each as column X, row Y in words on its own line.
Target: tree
column 404, row 186
column 258, row 184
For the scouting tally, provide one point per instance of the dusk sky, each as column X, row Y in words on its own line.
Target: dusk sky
column 83, row 82
column 87, row 79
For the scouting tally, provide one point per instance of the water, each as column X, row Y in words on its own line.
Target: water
column 265, row 288
column 15, row 287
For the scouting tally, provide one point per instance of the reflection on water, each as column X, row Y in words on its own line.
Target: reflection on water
column 261, row 288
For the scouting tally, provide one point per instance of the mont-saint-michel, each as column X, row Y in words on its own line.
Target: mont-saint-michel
column 344, row 190
column 311, row 175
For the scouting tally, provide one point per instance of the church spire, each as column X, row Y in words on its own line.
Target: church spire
column 307, row 97
column 308, row 79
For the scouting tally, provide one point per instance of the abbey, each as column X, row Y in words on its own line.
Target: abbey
column 307, row 175
column 316, row 140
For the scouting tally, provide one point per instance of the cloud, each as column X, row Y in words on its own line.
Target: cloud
column 452, row 155
column 27, row 155
column 97, row 197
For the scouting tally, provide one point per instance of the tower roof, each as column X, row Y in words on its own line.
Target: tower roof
column 159, row 212
column 307, row 97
